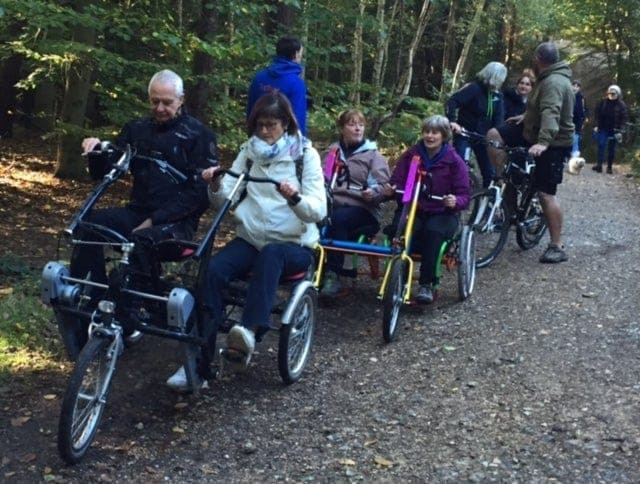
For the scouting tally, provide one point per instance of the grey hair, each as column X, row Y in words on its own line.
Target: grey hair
column 169, row 77
column 547, row 53
column 493, row 75
column 616, row 88
column 438, row 123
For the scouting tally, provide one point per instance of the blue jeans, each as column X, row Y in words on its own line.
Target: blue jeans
column 480, row 150
column 239, row 258
column 576, row 143
column 345, row 221
column 605, row 140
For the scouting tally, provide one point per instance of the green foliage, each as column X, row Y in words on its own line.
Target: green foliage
column 135, row 39
column 26, row 332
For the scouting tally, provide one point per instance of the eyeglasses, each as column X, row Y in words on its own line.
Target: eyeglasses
column 268, row 125
column 612, row 93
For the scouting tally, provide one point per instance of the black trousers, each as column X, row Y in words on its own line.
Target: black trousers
column 90, row 258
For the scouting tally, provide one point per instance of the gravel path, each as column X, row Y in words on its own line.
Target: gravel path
column 535, row 378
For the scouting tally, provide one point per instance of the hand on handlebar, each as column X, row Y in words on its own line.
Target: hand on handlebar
column 455, row 127
column 449, row 201
column 208, row 175
column 289, row 191
column 89, row 144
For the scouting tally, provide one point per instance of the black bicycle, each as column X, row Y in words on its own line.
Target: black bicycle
column 164, row 303
column 510, row 199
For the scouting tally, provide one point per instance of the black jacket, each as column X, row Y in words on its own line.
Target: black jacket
column 514, row 104
column 187, row 145
column 471, row 108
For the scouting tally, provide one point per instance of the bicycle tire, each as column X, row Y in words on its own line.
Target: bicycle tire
column 296, row 338
column 85, row 399
column 491, row 235
column 532, row 224
column 392, row 300
column 466, row 263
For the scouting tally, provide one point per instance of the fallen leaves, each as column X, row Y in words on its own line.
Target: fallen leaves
column 19, row 421
column 382, row 462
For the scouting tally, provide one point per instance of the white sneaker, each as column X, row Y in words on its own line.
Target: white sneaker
column 240, row 345
column 178, row 382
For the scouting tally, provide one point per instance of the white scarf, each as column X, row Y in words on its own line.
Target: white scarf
column 287, row 147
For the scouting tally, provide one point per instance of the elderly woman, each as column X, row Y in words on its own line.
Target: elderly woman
column 610, row 119
column 276, row 227
column 436, row 220
column 356, row 203
column 477, row 107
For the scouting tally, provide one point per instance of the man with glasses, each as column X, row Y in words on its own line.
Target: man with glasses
column 547, row 129
column 611, row 117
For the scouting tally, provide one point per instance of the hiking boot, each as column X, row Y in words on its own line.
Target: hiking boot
column 609, row 170
column 554, row 254
column 241, row 342
column 331, row 285
column 425, row 294
column 178, row 382
column 597, row 168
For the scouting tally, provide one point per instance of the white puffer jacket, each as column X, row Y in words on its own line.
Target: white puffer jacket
column 264, row 216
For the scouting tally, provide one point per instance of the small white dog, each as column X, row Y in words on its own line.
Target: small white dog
column 576, row 164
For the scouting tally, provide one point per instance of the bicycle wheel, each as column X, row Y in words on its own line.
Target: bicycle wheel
column 296, row 338
column 392, row 299
column 466, row 263
column 531, row 224
column 85, row 398
column 490, row 225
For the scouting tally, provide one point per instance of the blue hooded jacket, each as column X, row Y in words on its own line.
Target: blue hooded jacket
column 282, row 75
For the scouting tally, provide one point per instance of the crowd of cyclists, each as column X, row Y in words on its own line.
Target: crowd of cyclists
column 277, row 227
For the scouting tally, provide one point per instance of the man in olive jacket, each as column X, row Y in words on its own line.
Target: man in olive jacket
column 547, row 128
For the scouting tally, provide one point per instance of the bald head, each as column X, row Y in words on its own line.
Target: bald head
column 547, row 53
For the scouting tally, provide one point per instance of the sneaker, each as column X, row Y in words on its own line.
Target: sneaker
column 178, row 382
column 331, row 285
column 554, row 254
column 241, row 342
column 609, row 170
column 425, row 294
column 597, row 168
column 134, row 337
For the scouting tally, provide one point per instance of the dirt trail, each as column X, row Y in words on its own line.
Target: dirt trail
column 535, row 378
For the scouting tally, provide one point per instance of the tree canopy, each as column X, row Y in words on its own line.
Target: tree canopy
column 72, row 68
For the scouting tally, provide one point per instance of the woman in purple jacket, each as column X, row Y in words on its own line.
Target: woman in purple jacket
column 436, row 220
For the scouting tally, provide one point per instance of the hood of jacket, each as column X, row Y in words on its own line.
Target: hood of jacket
column 281, row 66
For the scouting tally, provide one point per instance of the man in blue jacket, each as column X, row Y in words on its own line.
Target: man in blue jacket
column 283, row 74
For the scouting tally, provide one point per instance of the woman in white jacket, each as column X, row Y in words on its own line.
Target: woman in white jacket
column 276, row 227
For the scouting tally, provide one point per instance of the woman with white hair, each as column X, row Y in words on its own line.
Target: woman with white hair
column 436, row 220
column 611, row 117
column 478, row 107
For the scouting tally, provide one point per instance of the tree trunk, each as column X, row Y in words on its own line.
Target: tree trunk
column 282, row 20
column 448, row 49
column 357, row 57
column 9, row 75
column 401, row 89
column 69, row 162
column 473, row 28
column 197, row 98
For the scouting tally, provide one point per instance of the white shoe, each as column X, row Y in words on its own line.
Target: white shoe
column 178, row 382
column 134, row 337
column 240, row 345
